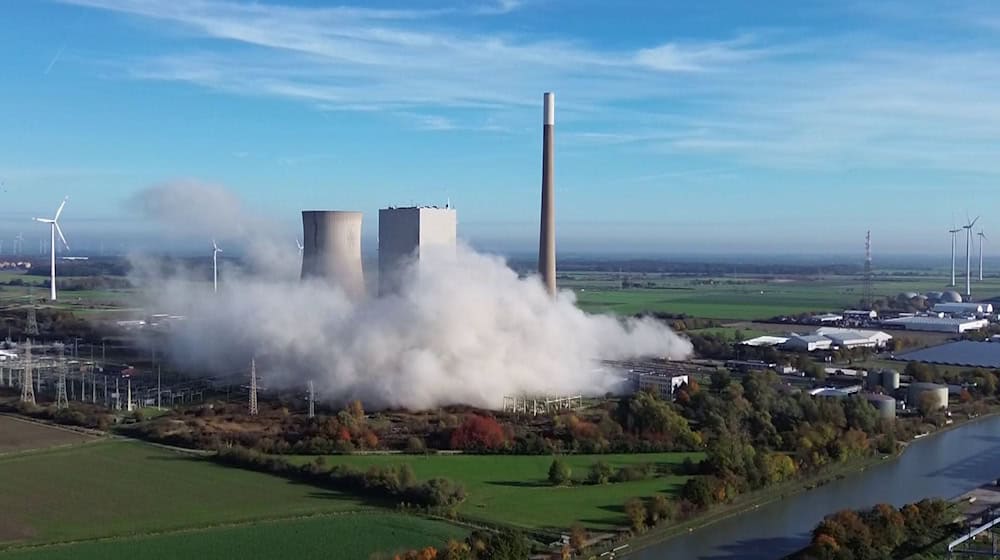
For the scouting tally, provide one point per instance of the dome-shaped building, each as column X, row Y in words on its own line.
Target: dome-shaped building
column 933, row 297
column 951, row 296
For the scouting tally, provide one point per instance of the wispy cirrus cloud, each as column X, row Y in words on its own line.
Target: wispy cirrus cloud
column 762, row 99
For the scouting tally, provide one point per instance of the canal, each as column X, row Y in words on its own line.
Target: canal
column 943, row 465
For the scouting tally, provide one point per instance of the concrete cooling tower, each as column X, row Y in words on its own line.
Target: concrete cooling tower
column 332, row 249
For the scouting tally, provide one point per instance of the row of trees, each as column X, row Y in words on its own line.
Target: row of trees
column 759, row 434
column 396, row 483
column 480, row 545
column 561, row 474
column 880, row 532
column 78, row 414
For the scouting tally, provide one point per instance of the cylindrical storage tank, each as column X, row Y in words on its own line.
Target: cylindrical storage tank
column 890, row 379
column 916, row 392
column 885, row 405
column 874, row 379
column 332, row 249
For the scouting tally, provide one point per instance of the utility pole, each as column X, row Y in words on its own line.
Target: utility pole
column 93, row 377
column 312, row 400
column 128, row 402
column 61, row 400
column 253, row 387
column 118, row 396
column 158, row 392
column 27, row 387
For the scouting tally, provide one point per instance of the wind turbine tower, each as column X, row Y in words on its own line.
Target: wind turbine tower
column 968, row 257
column 27, row 385
column 215, row 266
column 868, row 270
column 954, row 235
column 54, row 228
column 982, row 237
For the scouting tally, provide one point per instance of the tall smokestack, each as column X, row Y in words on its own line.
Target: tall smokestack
column 547, row 232
column 332, row 249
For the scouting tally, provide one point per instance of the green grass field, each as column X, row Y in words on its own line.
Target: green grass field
column 120, row 488
column 748, row 298
column 348, row 537
column 513, row 489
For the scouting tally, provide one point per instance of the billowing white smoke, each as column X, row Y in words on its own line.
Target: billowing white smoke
column 465, row 329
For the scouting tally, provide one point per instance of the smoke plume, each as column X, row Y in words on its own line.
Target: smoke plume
column 464, row 329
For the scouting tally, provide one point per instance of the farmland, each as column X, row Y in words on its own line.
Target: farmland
column 512, row 489
column 743, row 298
column 352, row 536
column 21, row 435
column 120, row 488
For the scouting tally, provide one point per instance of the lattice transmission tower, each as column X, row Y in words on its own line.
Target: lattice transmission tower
column 253, row 387
column 32, row 328
column 27, row 384
column 61, row 400
column 312, row 399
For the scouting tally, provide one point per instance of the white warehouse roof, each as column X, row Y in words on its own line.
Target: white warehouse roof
column 937, row 324
column 766, row 340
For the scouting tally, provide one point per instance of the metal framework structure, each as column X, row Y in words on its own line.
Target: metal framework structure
column 979, row 541
column 32, row 328
column 61, row 400
column 253, row 387
column 27, row 386
column 540, row 405
column 312, row 400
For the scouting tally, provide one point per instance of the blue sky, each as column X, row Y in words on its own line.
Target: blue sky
column 714, row 127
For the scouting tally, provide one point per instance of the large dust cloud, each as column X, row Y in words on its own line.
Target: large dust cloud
column 464, row 329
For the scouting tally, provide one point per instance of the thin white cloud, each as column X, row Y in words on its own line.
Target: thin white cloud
column 54, row 59
column 835, row 101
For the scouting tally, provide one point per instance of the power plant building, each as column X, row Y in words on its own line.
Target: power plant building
column 331, row 249
column 407, row 235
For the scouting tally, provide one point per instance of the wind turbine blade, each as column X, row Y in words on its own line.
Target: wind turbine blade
column 43, row 220
column 59, row 211
column 974, row 222
column 61, row 236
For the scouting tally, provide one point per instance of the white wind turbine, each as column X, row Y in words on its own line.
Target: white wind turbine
column 982, row 237
column 215, row 265
column 54, row 227
column 968, row 256
column 954, row 233
column 299, row 243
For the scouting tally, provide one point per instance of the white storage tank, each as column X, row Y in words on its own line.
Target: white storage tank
column 884, row 404
column 890, row 379
column 917, row 391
